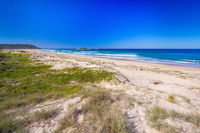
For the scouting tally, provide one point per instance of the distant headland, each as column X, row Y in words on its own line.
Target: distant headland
column 83, row 48
column 18, row 46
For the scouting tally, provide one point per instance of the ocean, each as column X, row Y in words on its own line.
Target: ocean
column 180, row 57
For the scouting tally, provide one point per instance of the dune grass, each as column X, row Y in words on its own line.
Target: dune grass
column 156, row 115
column 99, row 114
column 24, row 82
column 21, row 79
column 8, row 124
column 44, row 114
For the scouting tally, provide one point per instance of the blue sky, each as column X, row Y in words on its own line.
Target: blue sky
column 101, row 23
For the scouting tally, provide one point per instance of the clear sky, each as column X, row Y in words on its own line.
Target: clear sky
column 101, row 23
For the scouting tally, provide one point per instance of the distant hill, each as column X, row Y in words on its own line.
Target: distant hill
column 83, row 49
column 17, row 46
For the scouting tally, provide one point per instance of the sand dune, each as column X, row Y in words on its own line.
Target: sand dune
column 145, row 85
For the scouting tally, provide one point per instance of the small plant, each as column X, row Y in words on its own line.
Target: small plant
column 171, row 99
column 157, row 113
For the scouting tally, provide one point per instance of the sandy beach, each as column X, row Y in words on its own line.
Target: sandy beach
column 144, row 84
column 100, row 66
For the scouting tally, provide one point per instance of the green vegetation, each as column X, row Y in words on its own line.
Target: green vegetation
column 24, row 82
column 156, row 115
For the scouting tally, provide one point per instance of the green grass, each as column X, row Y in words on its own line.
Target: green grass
column 21, row 78
column 156, row 115
column 24, row 82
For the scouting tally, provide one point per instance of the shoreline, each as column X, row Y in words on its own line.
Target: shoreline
column 145, row 63
column 134, row 60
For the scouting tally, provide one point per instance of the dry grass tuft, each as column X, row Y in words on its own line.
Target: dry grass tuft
column 171, row 99
column 115, row 122
column 44, row 114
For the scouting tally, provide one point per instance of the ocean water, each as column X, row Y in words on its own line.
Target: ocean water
column 180, row 57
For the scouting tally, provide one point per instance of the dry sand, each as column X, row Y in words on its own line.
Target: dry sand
column 146, row 84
